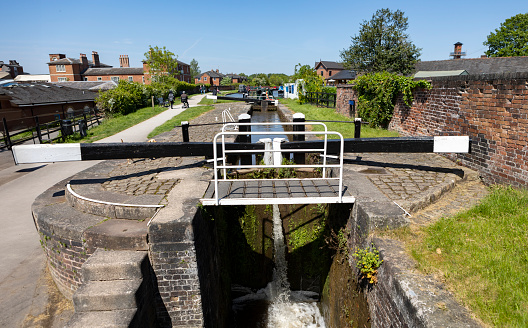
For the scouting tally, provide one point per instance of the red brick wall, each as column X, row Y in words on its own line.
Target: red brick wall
column 136, row 78
column 491, row 109
column 344, row 94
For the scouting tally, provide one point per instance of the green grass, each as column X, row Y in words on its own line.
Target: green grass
column 482, row 255
column 329, row 114
column 186, row 115
column 116, row 124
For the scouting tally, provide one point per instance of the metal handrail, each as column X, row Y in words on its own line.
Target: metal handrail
column 225, row 151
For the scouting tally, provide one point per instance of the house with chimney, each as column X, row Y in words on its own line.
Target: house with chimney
column 470, row 66
column 63, row 69
column 10, row 70
column 211, row 77
column 328, row 68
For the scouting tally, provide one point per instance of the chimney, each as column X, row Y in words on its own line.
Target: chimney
column 56, row 56
column 457, row 54
column 123, row 61
column 217, row 70
column 95, row 59
column 84, row 61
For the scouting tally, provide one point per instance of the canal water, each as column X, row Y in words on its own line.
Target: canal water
column 276, row 306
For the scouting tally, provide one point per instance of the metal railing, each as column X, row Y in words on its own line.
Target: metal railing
column 277, row 162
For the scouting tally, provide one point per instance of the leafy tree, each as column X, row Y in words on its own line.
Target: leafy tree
column 195, row 69
column 311, row 81
column 226, row 81
column 161, row 62
column 382, row 45
column 511, row 39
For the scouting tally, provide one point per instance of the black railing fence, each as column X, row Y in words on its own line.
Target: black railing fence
column 321, row 99
column 58, row 127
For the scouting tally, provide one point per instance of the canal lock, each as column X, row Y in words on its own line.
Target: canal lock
column 321, row 284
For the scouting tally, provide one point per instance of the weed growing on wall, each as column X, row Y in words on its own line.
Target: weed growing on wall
column 377, row 94
column 368, row 261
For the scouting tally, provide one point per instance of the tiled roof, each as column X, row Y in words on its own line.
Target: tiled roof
column 329, row 64
column 492, row 65
column 88, row 85
column 23, row 94
column 114, row 71
column 71, row 61
column 212, row 74
column 343, row 75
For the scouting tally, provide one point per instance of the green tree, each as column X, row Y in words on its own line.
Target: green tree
column 226, row 81
column 161, row 62
column 511, row 39
column 311, row 81
column 382, row 45
column 195, row 69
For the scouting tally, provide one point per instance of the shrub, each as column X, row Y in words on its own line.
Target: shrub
column 377, row 94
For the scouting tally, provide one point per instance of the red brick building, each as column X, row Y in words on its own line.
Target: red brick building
column 11, row 70
column 210, row 77
column 64, row 69
column 328, row 68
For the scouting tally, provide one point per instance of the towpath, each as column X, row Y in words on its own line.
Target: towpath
column 23, row 261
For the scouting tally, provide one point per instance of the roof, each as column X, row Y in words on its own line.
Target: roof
column 114, row 71
column 5, row 75
column 32, row 77
column 329, row 64
column 491, row 65
column 88, row 85
column 25, row 94
column 236, row 76
column 212, row 74
column 440, row 73
column 343, row 75
column 71, row 61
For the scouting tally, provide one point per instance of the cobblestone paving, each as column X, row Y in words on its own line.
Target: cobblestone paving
column 414, row 181
column 140, row 176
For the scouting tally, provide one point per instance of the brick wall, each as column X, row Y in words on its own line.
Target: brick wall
column 344, row 94
column 491, row 109
column 65, row 258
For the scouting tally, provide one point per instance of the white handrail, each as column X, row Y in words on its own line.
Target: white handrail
column 324, row 151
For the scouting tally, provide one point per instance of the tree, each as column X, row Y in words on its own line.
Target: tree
column 195, row 69
column 311, row 81
column 382, row 45
column 511, row 39
column 226, row 81
column 161, row 62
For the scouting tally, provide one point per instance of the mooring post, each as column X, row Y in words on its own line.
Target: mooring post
column 185, row 130
column 268, row 155
column 299, row 158
column 357, row 127
column 244, row 138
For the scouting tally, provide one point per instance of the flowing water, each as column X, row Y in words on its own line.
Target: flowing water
column 279, row 307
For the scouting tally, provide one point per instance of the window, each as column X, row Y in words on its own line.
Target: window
column 62, row 79
column 61, row 68
column 214, row 78
column 329, row 73
column 322, row 73
column 99, row 78
column 86, row 79
column 205, row 78
column 115, row 78
column 143, row 79
column 130, row 79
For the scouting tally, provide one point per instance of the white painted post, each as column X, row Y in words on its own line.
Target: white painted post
column 268, row 155
column 277, row 155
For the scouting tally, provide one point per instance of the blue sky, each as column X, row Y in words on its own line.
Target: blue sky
column 234, row 36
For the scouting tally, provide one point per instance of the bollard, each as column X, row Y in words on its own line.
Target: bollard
column 277, row 155
column 268, row 155
column 357, row 127
column 185, row 130
column 299, row 158
column 244, row 138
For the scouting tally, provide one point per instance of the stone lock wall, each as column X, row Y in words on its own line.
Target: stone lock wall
column 491, row 109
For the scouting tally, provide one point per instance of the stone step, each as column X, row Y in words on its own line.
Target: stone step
column 115, row 265
column 102, row 319
column 107, row 295
column 118, row 234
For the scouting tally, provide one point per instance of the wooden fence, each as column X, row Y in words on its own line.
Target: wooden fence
column 321, row 99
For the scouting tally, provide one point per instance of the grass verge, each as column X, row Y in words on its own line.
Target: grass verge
column 482, row 256
column 116, row 124
column 186, row 115
column 346, row 129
